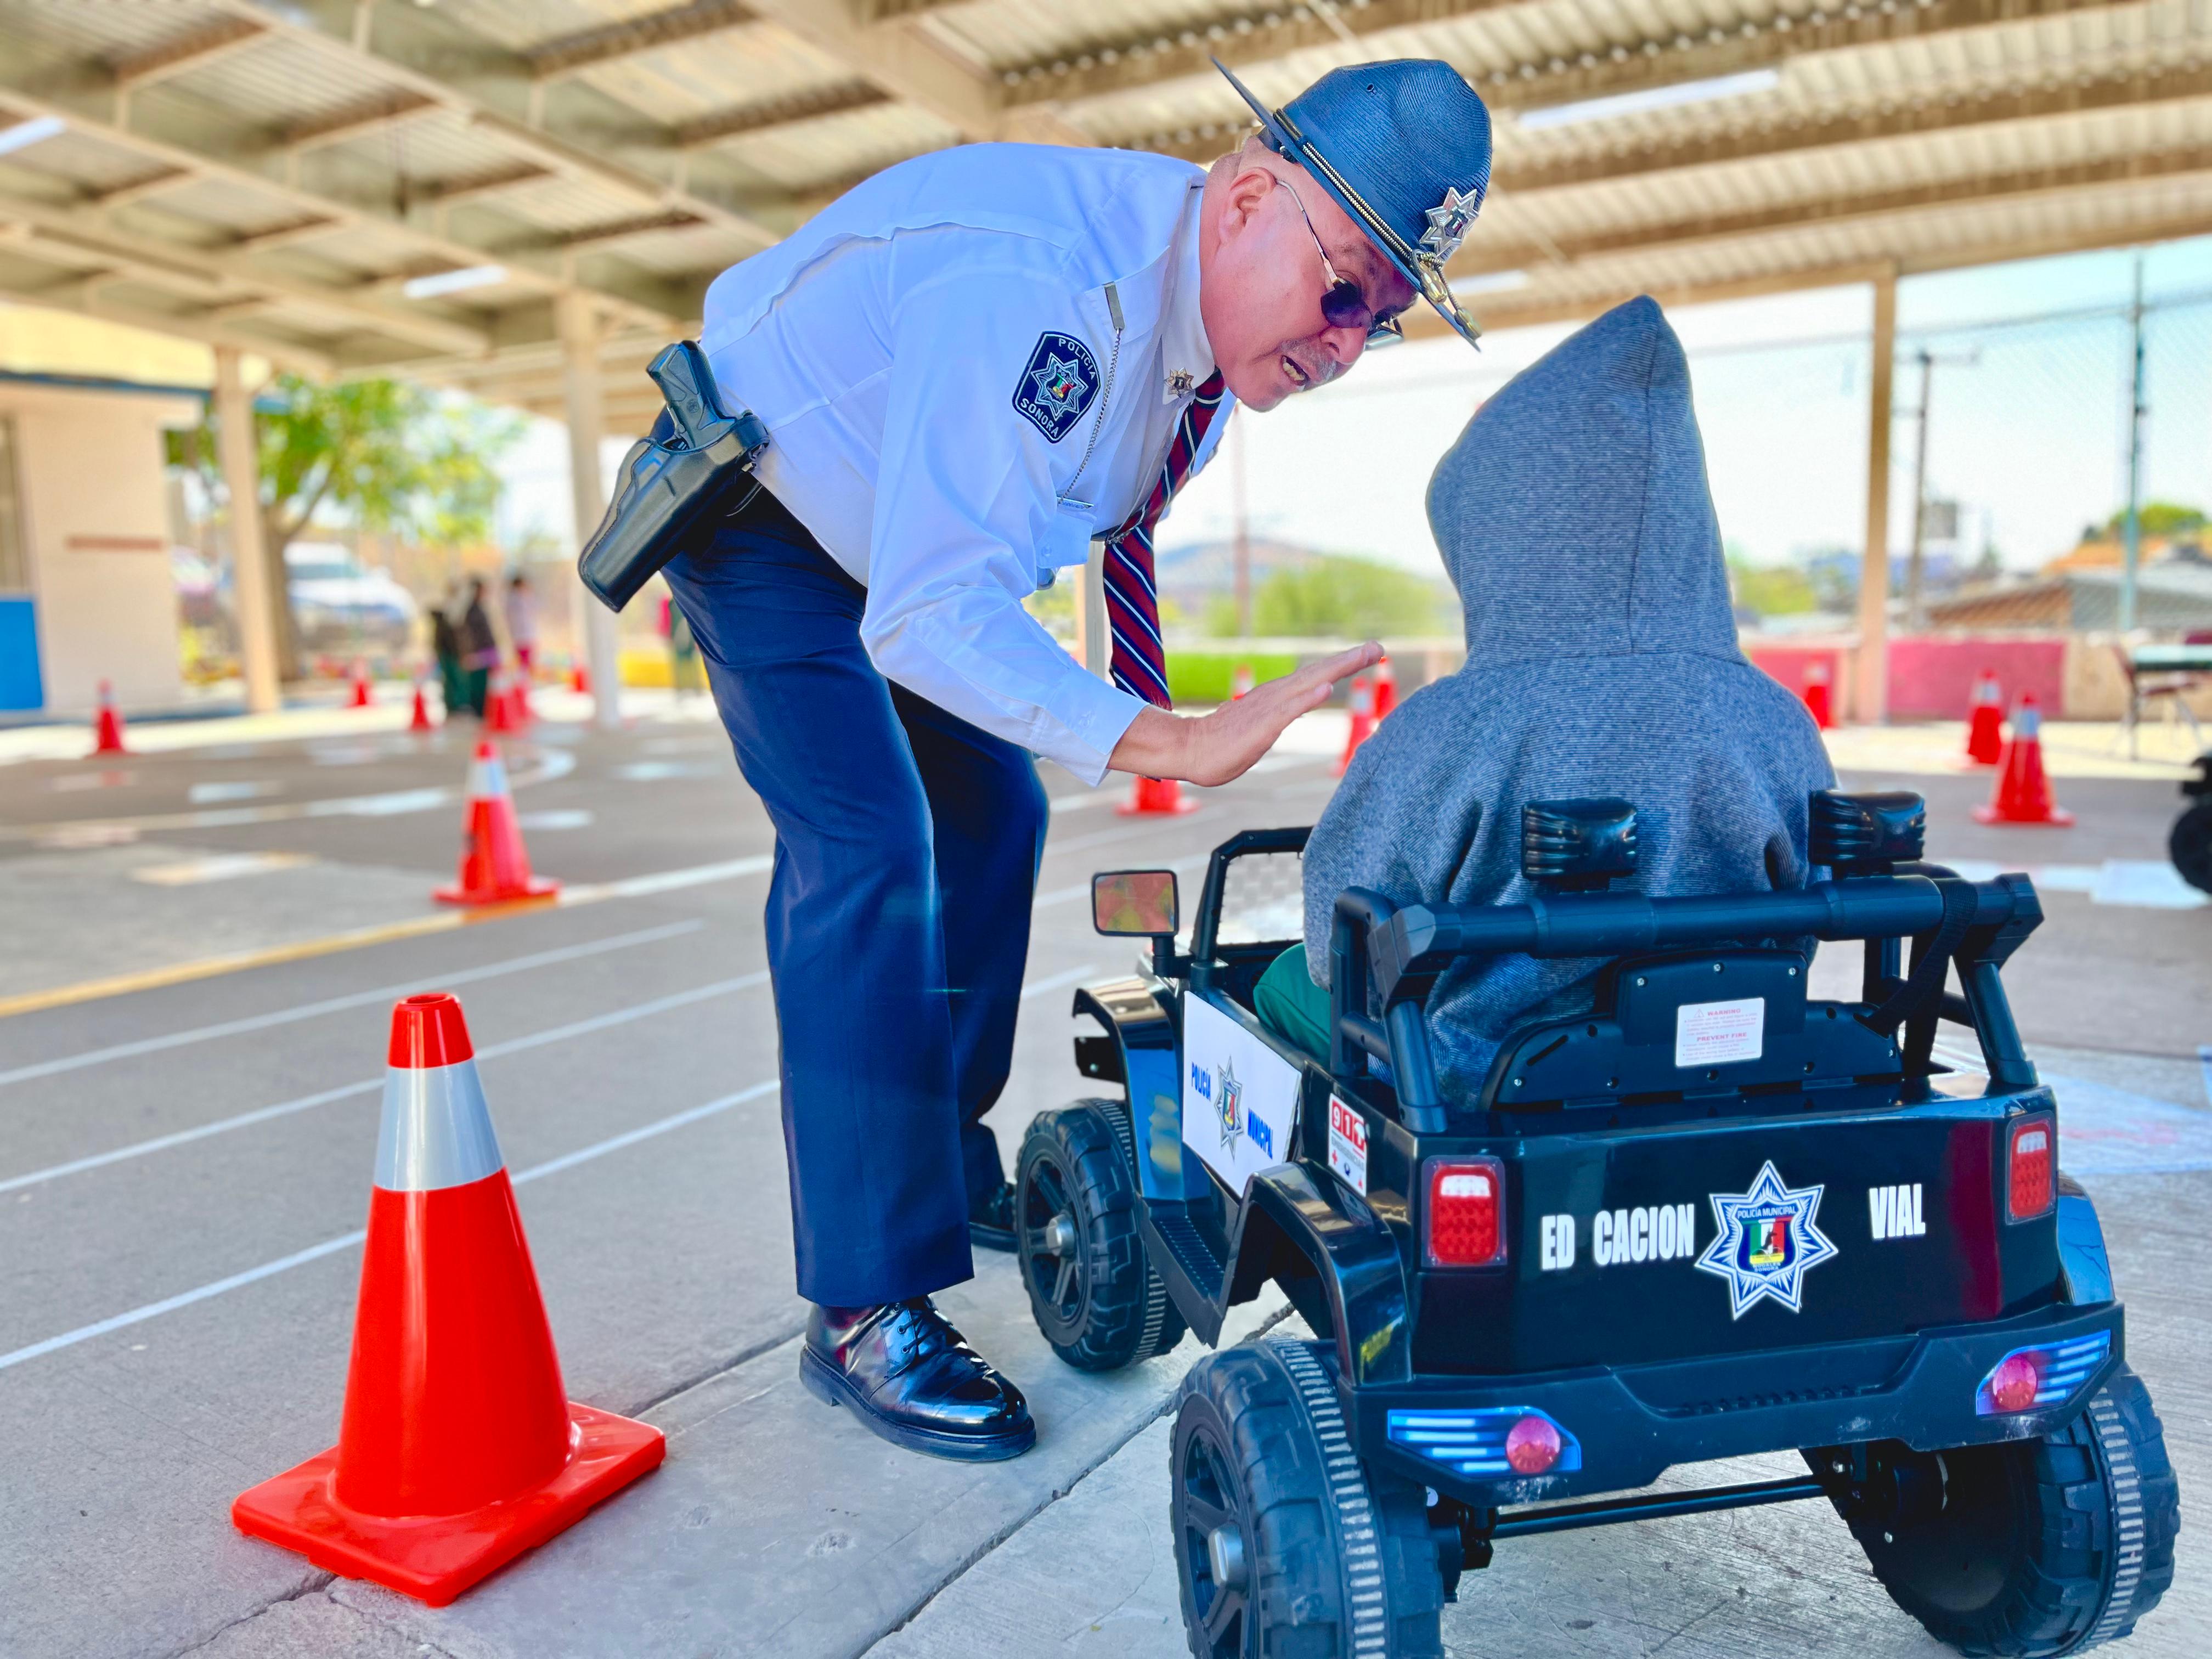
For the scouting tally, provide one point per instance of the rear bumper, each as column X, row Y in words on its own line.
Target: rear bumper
column 1629, row 1424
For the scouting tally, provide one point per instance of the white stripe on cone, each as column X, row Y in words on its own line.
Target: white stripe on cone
column 436, row 1130
column 487, row 774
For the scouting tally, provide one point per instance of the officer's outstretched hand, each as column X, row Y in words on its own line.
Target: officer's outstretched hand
column 1214, row 748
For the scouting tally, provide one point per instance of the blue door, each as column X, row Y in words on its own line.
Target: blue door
column 22, row 685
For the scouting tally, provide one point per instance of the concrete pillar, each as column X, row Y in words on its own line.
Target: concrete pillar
column 249, row 569
column 579, row 392
column 1871, row 702
column 1091, row 636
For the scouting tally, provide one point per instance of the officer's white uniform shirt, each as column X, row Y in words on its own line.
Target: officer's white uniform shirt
column 970, row 366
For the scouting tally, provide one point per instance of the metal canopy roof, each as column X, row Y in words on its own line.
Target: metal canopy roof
column 274, row 177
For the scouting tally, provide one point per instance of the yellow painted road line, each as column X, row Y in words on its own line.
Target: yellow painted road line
column 153, row 979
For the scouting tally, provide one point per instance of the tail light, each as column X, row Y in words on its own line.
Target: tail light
column 2031, row 1166
column 1466, row 1212
column 2038, row 1378
column 1532, row 1445
column 1488, row 1442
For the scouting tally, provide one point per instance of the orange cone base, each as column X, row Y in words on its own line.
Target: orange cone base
column 540, row 887
column 1156, row 797
column 434, row 1557
column 2057, row 818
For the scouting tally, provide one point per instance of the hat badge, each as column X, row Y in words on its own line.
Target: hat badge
column 1448, row 223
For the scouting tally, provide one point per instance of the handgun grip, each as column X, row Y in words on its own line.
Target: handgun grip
column 681, row 373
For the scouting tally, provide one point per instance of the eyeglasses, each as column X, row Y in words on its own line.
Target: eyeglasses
column 1344, row 303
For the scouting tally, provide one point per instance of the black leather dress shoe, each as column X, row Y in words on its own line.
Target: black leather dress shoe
column 991, row 1224
column 907, row 1374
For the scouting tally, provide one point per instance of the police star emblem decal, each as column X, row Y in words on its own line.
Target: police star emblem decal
column 1448, row 222
column 1767, row 1242
column 1231, row 1105
column 1059, row 384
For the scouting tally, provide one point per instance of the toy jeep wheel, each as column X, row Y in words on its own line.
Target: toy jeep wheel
column 2026, row 1547
column 2190, row 845
column 1096, row 1297
column 1284, row 1543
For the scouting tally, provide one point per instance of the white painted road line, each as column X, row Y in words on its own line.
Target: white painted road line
column 332, row 1246
column 551, row 763
column 353, row 999
column 1039, row 987
column 370, row 1086
column 346, row 1241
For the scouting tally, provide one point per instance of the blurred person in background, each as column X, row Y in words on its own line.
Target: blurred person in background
column 479, row 648
column 446, row 647
column 521, row 604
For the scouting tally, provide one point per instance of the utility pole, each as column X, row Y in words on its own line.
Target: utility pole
column 1916, row 612
column 2131, row 527
column 1870, row 695
column 1244, row 527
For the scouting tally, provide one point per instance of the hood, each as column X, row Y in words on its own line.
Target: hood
column 1573, row 514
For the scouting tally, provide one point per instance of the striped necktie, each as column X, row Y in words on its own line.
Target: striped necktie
column 1138, row 661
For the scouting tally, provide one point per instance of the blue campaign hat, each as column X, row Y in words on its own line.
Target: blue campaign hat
column 1404, row 147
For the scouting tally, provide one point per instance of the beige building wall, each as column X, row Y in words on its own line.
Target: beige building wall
column 95, row 523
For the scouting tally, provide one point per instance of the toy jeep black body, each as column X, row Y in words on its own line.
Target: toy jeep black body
column 1711, row 1217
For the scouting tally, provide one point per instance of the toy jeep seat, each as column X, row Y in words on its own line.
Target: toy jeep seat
column 1723, row 1018
column 1731, row 1025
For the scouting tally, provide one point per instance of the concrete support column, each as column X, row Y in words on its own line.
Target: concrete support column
column 249, row 569
column 579, row 391
column 1096, row 643
column 1871, row 700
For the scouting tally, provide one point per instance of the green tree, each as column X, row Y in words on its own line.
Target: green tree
column 389, row 456
column 2157, row 519
column 1339, row 596
column 1775, row 590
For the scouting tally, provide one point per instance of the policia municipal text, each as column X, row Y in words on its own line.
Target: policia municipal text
column 949, row 383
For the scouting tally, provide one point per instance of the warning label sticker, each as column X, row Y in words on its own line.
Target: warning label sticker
column 1347, row 1144
column 1715, row 1033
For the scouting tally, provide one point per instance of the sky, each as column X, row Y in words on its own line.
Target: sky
column 2028, row 432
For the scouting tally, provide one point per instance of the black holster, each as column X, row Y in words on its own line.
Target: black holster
column 671, row 481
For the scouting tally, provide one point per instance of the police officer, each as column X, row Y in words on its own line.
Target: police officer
column 970, row 367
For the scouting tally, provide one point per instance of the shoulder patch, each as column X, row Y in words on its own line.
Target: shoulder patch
column 1058, row 385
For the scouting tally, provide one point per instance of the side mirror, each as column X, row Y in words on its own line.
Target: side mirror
column 1140, row 903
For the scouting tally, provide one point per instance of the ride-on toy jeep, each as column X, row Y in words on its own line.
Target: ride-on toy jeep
column 1708, row 1219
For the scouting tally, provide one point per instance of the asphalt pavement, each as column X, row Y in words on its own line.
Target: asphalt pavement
column 204, row 941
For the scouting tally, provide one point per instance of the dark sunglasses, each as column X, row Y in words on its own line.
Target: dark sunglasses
column 1343, row 303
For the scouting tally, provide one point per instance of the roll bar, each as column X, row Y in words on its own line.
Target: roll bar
column 1381, row 953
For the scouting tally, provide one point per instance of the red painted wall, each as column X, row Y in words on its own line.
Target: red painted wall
column 1932, row 678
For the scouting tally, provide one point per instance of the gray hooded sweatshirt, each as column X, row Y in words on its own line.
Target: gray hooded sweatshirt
column 1575, row 519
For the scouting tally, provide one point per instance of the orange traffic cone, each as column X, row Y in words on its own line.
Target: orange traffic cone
column 1156, row 797
column 2023, row 793
column 580, row 678
column 495, row 864
column 1816, row 693
column 361, row 699
column 419, row 720
column 518, row 711
column 1240, row 680
column 459, row 1449
column 1363, row 721
column 1985, row 730
column 498, row 712
column 107, row 728
column 1386, row 689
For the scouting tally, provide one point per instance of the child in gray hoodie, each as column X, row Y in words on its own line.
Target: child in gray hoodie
column 1575, row 519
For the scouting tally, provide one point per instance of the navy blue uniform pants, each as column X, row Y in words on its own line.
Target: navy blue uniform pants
column 898, row 914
